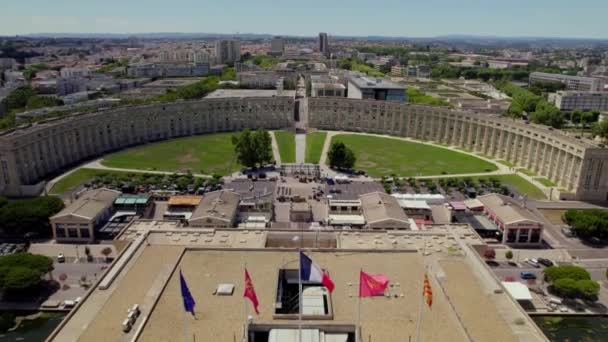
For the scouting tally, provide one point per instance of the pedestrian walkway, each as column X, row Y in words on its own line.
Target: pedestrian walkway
column 275, row 149
column 300, row 148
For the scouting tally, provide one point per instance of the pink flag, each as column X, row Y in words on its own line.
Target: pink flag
column 372, row 284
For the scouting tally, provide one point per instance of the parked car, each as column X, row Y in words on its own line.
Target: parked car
column 532, row 262
column 527, row 275
column 568, row 232
column 60, row 257
column 545, row 262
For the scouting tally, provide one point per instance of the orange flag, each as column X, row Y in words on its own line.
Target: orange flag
column 250, row 292
column 427, row 292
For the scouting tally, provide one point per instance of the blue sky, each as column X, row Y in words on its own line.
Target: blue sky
column 421, row 18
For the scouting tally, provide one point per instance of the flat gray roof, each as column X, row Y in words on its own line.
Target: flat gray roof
column 230, row 93
column 374, row 82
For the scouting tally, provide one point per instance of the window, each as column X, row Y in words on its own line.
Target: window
column 59, row 232
column 72, row 232
column 315, row 297
column 84, row 233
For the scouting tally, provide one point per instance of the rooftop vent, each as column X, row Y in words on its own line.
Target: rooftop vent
column 224, row 290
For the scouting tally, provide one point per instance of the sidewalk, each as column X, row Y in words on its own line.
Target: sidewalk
column 275, row 149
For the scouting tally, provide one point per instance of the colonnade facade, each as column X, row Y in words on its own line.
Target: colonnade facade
column 578, row 167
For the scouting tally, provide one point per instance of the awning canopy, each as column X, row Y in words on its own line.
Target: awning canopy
column 517, row 290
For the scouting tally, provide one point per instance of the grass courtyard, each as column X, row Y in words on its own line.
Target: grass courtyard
column 79, row 177
column 521, row 185
column 287, row 146
column 314, row 146
column 380, row 156
column 206, row 154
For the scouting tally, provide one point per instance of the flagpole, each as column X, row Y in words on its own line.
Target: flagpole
column 358, row 327
column 185, row 318
column 299, row 295
column 420, row 310
column 246, row 326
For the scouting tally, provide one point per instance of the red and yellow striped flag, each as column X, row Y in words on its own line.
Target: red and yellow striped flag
column 427, row 292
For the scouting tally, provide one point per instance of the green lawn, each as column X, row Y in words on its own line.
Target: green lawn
column 506, row 163
column 77, row 178
column 522, row 185
column 385, row 156
column 287, row 146
column 527, row 172
column 207, row 154
column 314, row 146
column 546, row 182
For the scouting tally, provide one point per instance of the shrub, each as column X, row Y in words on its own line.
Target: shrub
column 509, row 255
column 555, row 273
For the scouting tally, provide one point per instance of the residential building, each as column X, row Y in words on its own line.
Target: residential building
column 227, row 51
column 576, row 165
column 277, row 46
column 323, row 44
column 506, row 63
column 7, row 63
column 74, row 72
column 13, row 76
column 572, row 82
column 322, row 85
column 218, row 209
column 572, row 100
column 258, row 79
column 382, row 211
column 169, row 70
column 420, row 71
column 79, row 221
column 364, row 87
column 518, row 225
column 201, row 56
column 164, row 56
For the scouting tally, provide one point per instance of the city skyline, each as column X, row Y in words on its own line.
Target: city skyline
column 393, row 19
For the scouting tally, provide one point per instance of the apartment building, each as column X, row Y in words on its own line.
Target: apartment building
column 364, row 87
column 29, row 154
column 572, row 100
column 572, row 82
column 227, row 51
column 579, row 167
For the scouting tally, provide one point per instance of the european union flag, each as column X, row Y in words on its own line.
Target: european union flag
column 186, row 295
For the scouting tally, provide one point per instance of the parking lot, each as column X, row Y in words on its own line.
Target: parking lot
column 11, row 248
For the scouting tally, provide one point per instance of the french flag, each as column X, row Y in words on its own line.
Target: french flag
column 309, row 271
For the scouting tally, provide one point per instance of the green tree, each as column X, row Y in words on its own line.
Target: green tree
column 600, row 129
column 18, row 98
column 340, row 156
column 253, row 148
column 554, row 273
column 23, row 271
column 7, row 321
column 587, row 288
column 547, row 114
column 567, row 287
column 588, row 223
column 19, row 217
column 509, row 255
column 36, row 102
